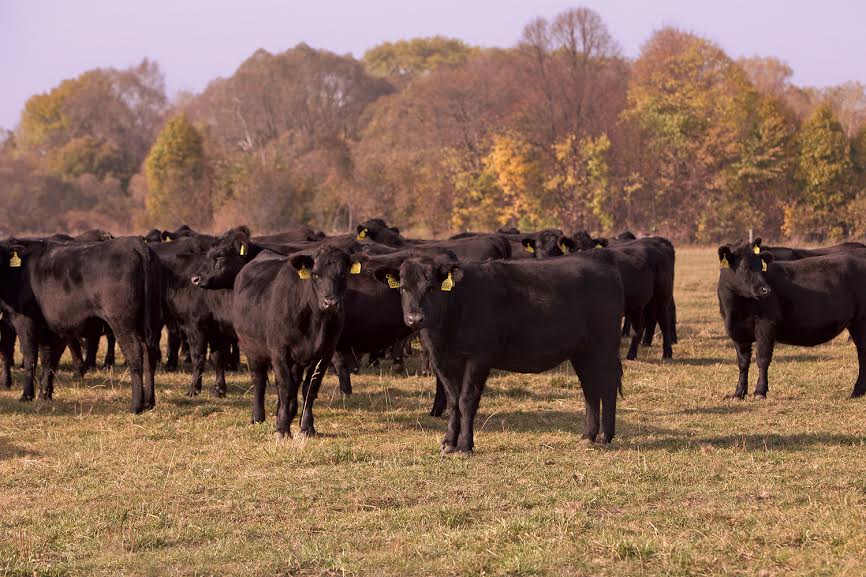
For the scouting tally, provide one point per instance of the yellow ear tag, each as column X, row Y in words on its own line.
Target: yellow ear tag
column 243, row 249
column 725, row 263
column 356, row 268
column 392, row 282
column 14, row 260
column 303, row 272
column 563, row 248
column 448, row 283
column 764, row 265
column 529, row 249
column 363, row 234
column 167, row 239
column 599, row 245
column 757, row 249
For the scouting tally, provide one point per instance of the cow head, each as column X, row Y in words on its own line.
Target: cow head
column 583, row 241
column 742, row 271
column 377, row 230
column 426, row 286
column 326, row 271
column 224, row 260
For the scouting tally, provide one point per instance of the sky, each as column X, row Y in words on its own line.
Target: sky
column 43, row 42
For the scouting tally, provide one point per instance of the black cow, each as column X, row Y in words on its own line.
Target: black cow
column 288, row 314
column 626, row 235
column 526, row 316
column 784, row 253
column 292, row 234
column 57, row 291
column 804, row 302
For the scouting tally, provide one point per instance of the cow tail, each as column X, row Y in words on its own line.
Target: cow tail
column 152, row 313
column 619, row 378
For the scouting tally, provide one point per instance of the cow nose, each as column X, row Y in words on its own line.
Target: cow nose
column 196, row 280
column 414, row 319
column 329, row 303
column 764, row 290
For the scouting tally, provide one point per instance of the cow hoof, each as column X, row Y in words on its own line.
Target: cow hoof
column 587, row 441
column 282, row 436
column 668, row 355
column 734, row 397
column 398, row 367
column 631, row 357
column 218, row 393
column 26, row 398
column 857, row 394
column 462, row 453
column 446, row 449
column 346, row 391
column 760, row 397
column 311, row 432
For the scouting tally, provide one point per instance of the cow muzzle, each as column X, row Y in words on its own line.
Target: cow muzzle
column 329, row 304
column 763, row 291
column 414, row 320
column 196, row 280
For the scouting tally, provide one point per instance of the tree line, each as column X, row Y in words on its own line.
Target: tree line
column 559, row 130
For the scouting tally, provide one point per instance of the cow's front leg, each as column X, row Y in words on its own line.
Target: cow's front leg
column 474, row 378
column 766, row 342
column 744, row 359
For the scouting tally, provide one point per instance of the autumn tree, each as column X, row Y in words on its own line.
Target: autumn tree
column 177, row 179
column 404, row 60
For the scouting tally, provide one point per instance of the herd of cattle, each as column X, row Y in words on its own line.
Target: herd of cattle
column 297, row 302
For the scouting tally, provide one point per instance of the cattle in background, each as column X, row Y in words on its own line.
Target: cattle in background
column 288, row 312
column 54, row 291
column 626, row 235
column 526, row 316
column 784, row 253
column 804, row 302
column 291, row 234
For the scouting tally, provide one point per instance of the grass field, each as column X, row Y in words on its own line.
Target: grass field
column 692, row 485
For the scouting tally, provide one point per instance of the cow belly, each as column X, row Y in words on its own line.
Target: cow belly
column 809, row 336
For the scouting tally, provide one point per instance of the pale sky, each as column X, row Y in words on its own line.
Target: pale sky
column 43, row 42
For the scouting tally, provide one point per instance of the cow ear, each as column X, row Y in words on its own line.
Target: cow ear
column 726, row 257
column 388, row 275
column 303, row 263
column 767, row 257
column 600, row 242
column 565, row 244
column 243, row 247
column 362, row 232
column 165, row 236
column 529, row 245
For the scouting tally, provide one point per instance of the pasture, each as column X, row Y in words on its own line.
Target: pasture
column 692, row 485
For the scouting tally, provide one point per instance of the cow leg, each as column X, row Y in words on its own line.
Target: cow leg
column 150, row 358
column 744, row 359
column 218, row 356
column 311, row 392
column 91, row 343
column 672, row 314
column 287, row 389
column 591, row 400
column 664, row 321
column 28, row 339
column 626, row 326
column 637, row 329
column 342, row 363
column 78, row 365
column 234, row 356
column 7, row 353
column 184, row 349
column 766, row 341
column 474, row 378
column 259, row 375
column 173, row 346
column 649, row 322
column 198, row 349
column 397, row 365
column 858, row 335
column 110, row 345
column 439, row 401
column 452, row 380
column 46, row 359
column 133, row 351
column 298, row 372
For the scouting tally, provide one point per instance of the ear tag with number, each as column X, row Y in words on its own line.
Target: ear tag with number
column 725, row 263
column 167, row 239
column 243, row 250
column 563, row 248
column 303, row 272
column 757, row 249
column 356, row 268
column 14, row 260
column 363, row 234
column 448, row 283
column 599, row 245
column 392, row 282
column 530, row 249
column 763, row 265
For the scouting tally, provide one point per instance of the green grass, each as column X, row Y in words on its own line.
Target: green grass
column 692, row 485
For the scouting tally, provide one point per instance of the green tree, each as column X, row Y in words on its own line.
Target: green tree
column 178, row 190
column 825, row 171
column 405, row 59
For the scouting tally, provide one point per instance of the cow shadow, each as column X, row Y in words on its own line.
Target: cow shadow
column 772, row 441
column 730, row 408
column 9, row 450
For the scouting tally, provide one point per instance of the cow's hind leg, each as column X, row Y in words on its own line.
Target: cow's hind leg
column 637, row 328
column 7, row 353
column 858, row 335
column 591, row 398
column 440, row 401
column 342, row 364
column 133, row 351
column 259, row 375
column 198, row 349
column 287, row 389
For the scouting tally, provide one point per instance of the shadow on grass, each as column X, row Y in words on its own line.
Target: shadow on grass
column 749, row 442
column 10, row 451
